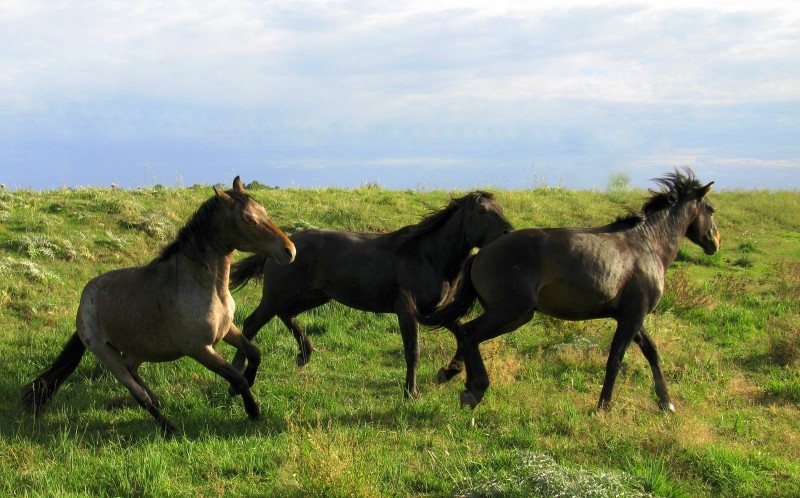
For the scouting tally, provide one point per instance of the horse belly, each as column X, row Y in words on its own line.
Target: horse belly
column 368, row 284
column 573, row 303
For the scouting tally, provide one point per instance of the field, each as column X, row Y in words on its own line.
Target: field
column 728, row 330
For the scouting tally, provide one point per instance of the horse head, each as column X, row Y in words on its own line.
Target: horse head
column 249, row 227
column 703, row 229
column 484, row 220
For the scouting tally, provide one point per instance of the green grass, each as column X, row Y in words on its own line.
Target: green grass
column 727, row 331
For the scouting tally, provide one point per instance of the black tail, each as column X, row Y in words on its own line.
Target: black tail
column 246, row 269
column 461, row 304
column 36, row 395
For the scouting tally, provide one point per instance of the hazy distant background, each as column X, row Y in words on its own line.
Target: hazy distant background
column 412, row 94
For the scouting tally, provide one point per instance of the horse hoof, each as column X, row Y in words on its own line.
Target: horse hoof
column 168, row 429
column 442, row 377
column 668, row 407
column 302, row 361
column 469, row 400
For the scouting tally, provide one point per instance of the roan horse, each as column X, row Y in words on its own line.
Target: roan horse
column 178, row 305
column 615, row 271
column 373, row 272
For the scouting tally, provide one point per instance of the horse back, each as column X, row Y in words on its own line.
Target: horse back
column 357, row 269
column 567, row 273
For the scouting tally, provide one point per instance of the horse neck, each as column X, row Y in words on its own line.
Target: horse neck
column 447, row 247
column 211, row 256
column 665, row 230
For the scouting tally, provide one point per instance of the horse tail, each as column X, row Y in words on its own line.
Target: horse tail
column 460, row 305
column 246, row 269
column 35, row 396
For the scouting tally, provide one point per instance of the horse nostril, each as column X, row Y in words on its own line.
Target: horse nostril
column 289, row 253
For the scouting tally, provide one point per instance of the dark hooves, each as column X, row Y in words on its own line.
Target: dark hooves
column 302, row 361
column 167, row 429
column 442, row 377
column 469, row 400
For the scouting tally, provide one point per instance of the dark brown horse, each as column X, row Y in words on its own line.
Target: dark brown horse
column 374, row 272
column 178, row 305
column 616, row 271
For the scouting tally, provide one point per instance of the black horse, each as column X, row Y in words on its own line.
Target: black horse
column 381, row 273
column 615, row 271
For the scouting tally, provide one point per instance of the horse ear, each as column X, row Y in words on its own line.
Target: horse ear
column 237, row 184
column 703, row 191
column 222, row 195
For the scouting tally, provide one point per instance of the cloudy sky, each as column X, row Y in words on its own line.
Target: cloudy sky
column 421, row 94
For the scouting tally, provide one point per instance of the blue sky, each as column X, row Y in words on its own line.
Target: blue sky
column 419, row 94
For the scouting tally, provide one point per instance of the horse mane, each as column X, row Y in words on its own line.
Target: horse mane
column 198, row 228
column 435, row 219
column 674, row 186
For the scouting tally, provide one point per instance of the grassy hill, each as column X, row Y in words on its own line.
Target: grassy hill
column 728, row 330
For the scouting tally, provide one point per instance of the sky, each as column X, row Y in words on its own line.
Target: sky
column 421, row 94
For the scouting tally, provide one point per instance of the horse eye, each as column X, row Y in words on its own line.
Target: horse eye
column 250, row 220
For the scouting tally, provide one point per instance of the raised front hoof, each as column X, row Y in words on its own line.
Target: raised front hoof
column 468, row 399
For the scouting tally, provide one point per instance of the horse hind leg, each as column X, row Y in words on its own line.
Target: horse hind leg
column 125, row 401
column 304, row 344
column 493, row 323
column 114, row 362
column 456, row 365
column 304, row 303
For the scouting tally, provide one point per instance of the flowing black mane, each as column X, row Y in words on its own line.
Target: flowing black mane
column 198, row 228
column 674, row 186
column 434, row 220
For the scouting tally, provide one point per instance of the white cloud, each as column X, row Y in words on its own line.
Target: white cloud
column 406, row 80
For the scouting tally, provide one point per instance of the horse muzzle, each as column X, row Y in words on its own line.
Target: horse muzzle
column 713, row 244
column 285, row 255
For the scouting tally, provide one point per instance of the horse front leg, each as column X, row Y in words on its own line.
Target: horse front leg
column 409, row 330
column 213, row 361
column 491, row 324
column 648, row 348
column 237, row 339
